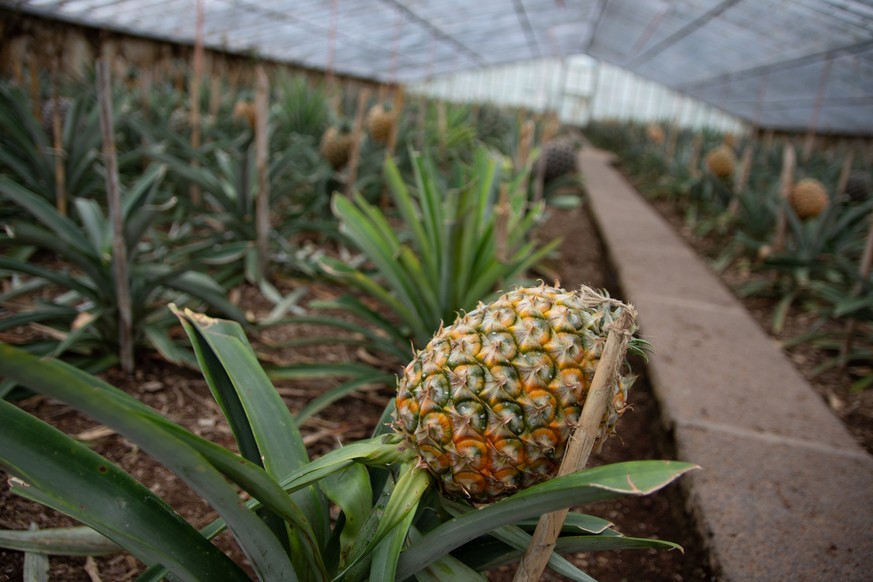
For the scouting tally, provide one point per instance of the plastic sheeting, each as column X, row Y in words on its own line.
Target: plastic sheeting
column 804, row 65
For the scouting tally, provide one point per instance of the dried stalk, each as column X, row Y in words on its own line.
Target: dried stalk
column 58, row 145
column 845, row 171
column 581, row 442
column 262, row 203
column 113, row 193
column 354, row 157
column 786, row 183
column 742, row 180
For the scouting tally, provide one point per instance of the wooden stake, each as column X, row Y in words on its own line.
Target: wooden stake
column 864, row 272
column 196, row 76
column 742, row 180
column 58, row 143
column 113, row 193
column 581, row 443
column 397, row 108
column 786, row 183
column 694, row 162
column 34, row 86
column 363, row 96
column 262, row 203
column 845, row 171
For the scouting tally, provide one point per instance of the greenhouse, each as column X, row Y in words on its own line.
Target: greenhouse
column 436, row 290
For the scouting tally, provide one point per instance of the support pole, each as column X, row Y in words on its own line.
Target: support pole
column 262, row 203
column 113, row 193
column 581, row 443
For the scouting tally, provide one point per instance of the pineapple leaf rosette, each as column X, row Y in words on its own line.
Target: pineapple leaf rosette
column 491, row 402
column 487, row 407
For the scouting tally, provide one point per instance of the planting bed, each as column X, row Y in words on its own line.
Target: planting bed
column 854, row 408
column 183, row 396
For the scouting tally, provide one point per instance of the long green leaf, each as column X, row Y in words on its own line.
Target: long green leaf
column 606, row 482
column 65, row 541
column 66, row 475
column 130, row 418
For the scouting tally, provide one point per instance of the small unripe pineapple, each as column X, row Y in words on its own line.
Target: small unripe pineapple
column 808, row 198
column 490, row 403
column 380, row 122
column 63, row 106
column 721, row 162
column 336, row 146
column 560, row 159
column 858, row 187
column 244, row 111
column 655, row 133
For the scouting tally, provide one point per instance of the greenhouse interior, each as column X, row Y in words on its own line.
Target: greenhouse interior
column 337, row 290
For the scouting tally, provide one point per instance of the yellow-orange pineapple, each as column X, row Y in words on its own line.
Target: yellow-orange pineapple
column 721, row 162
column 808, row 198
column 489, row 404
column 244, row 111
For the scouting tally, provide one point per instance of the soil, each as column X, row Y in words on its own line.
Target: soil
column 182, row 395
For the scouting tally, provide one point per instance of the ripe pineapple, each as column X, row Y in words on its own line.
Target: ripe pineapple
column 655, row 133
column 244, row 111
column 721, row 161
column 489, row 404
column 380, row 122
column 808, row 198
column 559, row 157
column 336, row 145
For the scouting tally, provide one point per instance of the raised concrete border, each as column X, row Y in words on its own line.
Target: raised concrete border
column 785, row 493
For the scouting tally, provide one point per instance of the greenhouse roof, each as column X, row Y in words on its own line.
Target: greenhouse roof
column 784, row 64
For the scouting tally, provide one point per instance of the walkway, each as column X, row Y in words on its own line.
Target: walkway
column 785, row 493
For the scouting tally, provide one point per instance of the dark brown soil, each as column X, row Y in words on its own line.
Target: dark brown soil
column 184, row 397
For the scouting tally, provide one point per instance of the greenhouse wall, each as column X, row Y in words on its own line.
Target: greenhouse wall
column 580, row 89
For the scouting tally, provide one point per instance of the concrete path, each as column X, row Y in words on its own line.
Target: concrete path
column 785, row 493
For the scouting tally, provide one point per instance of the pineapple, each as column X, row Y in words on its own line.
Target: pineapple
column 489, row 404
column 244, row 111
column 559, row 157
column 858, row 187
column 655, row 133
column 380, row 122
column 336, row 145
column 721, row 162
column 63, row 105
column 808, row 198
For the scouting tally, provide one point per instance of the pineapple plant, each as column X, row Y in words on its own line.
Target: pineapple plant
column 63, row 106
column 559, row 158
column 489, row 404
column 721, row 162
column 336, row 145
column 808, row 198
column 380, row 122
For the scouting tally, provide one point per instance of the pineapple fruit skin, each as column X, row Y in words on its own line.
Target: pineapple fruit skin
column 336, row 147
column 560, row 159
column 245, row 111
column 380, row 122
column 808, row 198
column 721, row 162
column 490, row 403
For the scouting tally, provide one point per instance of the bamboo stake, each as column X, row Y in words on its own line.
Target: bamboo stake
column 363, row 95
column 863, row 271
column 113, row 193
column 34, row 86
column 844, row 172
column 786, row 183
column 196, row 75
column 397, row 108
column 581, row 443
column 262, row 203
column 58, row 144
